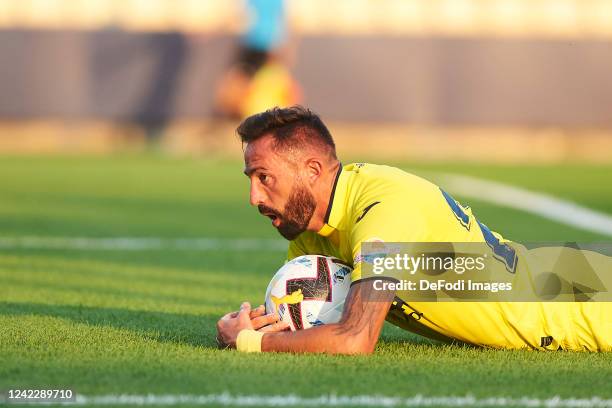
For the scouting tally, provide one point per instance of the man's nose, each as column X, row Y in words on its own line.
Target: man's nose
column 257, row 196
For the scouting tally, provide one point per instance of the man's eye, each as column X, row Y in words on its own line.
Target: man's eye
column 263, row 178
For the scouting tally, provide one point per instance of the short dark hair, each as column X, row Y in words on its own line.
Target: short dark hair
column 290, row 127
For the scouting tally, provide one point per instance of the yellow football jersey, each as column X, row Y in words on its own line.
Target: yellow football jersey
column 381, row 203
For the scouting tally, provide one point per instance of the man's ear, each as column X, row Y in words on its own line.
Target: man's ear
column 314, row 169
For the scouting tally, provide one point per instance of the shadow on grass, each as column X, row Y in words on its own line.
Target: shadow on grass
column 175, row 328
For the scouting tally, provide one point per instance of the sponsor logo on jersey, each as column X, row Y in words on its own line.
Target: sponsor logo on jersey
column 365, row 211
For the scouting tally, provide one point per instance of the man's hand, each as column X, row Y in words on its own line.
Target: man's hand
column 357, row 331
column 232, row 323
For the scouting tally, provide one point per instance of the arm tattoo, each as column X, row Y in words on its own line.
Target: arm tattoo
column 365, row 309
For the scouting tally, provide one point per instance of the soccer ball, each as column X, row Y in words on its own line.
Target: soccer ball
column 309, row 291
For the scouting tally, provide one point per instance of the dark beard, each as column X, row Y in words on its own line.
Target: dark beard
column 298, row 211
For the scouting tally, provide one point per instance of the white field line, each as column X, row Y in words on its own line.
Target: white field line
column 140, row 244
column 341, row 401
column 544, row 205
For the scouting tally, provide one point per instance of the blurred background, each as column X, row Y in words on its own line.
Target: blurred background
column 476, row 80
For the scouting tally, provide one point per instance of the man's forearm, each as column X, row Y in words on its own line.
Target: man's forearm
column 321, row 339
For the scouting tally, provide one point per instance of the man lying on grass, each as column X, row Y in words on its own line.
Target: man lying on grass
column 325, row 208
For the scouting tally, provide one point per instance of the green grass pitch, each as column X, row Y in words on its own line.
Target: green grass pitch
column 143, row 321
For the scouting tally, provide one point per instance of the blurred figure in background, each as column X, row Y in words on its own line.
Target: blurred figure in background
column 258, row 78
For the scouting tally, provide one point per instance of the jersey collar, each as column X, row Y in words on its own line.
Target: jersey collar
column 335, row 210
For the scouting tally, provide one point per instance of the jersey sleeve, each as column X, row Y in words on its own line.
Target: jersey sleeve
column 389, row 221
